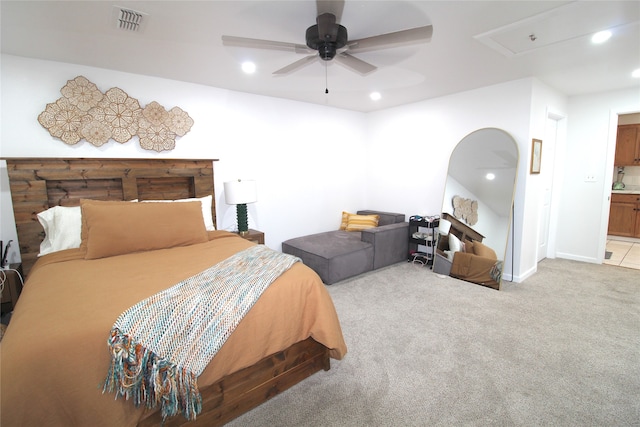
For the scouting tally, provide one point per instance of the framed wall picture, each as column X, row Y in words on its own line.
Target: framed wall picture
column 536, row 155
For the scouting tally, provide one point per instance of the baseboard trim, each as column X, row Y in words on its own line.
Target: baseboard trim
column 573, row 257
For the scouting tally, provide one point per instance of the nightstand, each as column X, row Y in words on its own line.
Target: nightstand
column 255, row 236
column 12, row 286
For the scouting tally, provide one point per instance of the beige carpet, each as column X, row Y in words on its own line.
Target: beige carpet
column 562, row 348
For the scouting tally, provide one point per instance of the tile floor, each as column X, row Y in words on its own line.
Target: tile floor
column 624, row 254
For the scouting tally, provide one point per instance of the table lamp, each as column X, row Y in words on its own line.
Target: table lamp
column 239, row 193
column 444, row 227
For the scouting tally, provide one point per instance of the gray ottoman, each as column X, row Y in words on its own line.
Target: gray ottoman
column 334, row 255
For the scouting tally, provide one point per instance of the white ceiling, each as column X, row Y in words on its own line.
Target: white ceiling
column 474, row 44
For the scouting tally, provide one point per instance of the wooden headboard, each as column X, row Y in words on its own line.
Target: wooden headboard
column 461, row 230
column 38, row 184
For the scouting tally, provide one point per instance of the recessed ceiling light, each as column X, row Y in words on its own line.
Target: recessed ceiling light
column 636, row 73
column 249, row 67
column 601, row 36
column 490, row 176
column 375, row 96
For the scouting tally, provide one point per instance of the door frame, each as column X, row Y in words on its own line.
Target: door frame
column 555, row 184
column 606, row 196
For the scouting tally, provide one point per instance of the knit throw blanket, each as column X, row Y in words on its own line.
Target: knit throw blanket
column 162, row 344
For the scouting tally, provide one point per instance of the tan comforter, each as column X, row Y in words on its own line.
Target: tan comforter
column 473, row 268
column 54, row 355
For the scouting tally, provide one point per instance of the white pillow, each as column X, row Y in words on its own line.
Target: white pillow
column 47, row 220
column 62, row 227
column 455, row 245
column 206, row 202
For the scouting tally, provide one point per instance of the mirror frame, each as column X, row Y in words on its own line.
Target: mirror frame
column 507, row 158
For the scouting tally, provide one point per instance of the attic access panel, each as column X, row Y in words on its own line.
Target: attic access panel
column 558, row 26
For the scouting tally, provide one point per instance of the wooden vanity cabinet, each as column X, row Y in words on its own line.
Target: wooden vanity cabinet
column 624, row 216
column 628, row 145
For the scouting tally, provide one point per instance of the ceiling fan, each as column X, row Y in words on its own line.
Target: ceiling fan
column 332, row 43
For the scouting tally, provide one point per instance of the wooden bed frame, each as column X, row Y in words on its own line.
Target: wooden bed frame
column 38, row 184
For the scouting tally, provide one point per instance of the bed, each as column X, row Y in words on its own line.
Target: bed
column 54, row 354
column 466, row 257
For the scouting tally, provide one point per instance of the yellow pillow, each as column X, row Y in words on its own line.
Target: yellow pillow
column 121, row 228
column 345, row 220
column 362, row 222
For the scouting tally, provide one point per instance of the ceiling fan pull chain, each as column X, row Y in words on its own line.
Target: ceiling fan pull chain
column 326, row 79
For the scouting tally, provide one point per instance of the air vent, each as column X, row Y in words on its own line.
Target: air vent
column 129, row 20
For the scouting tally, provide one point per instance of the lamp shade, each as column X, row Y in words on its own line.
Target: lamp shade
column 444, row 227
column 240, row 191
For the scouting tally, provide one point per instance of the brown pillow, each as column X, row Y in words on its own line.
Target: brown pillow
column 117, row 228
column 483, row 250
column 83, row 225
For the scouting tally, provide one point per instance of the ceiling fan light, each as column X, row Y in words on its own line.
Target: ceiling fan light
column 331, row 42
column 326, row 49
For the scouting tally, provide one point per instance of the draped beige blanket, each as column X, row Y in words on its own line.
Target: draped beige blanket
column 162, row 344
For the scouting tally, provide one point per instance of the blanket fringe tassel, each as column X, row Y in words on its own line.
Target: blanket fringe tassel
column 137, row 374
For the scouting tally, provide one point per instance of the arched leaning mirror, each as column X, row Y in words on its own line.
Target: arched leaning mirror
column 476, row 212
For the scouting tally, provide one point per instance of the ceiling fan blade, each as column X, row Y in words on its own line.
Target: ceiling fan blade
column 296, row 65
column 265, row 44
column 354, row 64
column 334, row 7
column 395, row 39
column 327, row 28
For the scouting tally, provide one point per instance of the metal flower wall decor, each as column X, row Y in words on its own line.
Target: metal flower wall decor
column 83, row 112
column 465, row 209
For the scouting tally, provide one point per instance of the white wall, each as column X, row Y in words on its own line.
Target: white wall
column 423, row 136
column 584, row 207
column 305, row 157
column 312, row 162
column 544, row 101
column 489, row 224
column 628, row 119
